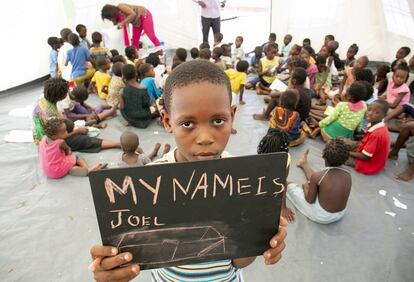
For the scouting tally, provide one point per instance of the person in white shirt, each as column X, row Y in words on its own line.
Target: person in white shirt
column 238, row 52
column 210, row 16
column 65, row 71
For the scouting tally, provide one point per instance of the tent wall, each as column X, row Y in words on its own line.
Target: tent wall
column 351, row 21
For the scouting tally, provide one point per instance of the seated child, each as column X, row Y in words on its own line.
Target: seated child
column 116, row 85
column 82, row 31
column 216, row 56
column 200, row 90
column 146, row 76
column 238, row 52
column 204, row 45
column 118, row 58
column 284, row 117
column 349, row 75
column 323, row 197
column 131, row 54
column 380, row 79
column 180, row 55
column 311, row 69
column 135, row 102
column 398, row 92
column 407, row 132
column 255, row 61
column 101, row 79
column 238, row 79
column 347, row 116
column 76, row 108
column 195, row 53
column 226, row 57
column 400, row 55
column 267, row 69
column 159, row 69
column 350, row 56
column 371, row 155
column 274, row 141
column 56, row 157
column 218, row 37
column 78, row 56
column 133, row 155
column 54, row 43
column 287, row 45
column 205, row 54
column 96, row 50
column 323, row 80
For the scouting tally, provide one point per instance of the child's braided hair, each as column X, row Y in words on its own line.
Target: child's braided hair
column 276, row 140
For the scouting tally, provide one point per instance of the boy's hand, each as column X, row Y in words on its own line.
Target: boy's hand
column 277, row 244
column 107, row 264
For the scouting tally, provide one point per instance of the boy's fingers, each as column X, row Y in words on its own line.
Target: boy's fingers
column 278, row 238
column 119, row 274
column 103, row 251
column 273, row 252
column 112, row 262
column 273, row 260
column 283, row 222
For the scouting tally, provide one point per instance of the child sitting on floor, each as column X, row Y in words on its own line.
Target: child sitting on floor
column 97, row 51
column 407, row 132
column 349, row 75
column 380, row 79
column 135, row 102
column 371, row 154
column 131, row 54
column 54, row 43
column 323, row 197
column 284, row 117
column 274, row 141
column 205, row 54
column 267, row 69
column 76, row 108
column 347, row 116
column 56, row 157
column 195, row 53
column 180, row 55
column 133, row 155
column 226, row 57
column 146, row 76
column 78, row 56
column 398, row 92
column 238, row 79
column 218, row 37
column 101, row 79
column 200, row 90
column 116, row 85
column 159, row 69
column 350, row 56
column 323, row 80
column 238, row 52
column 216, row 56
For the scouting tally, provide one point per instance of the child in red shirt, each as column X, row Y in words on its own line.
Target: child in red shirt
column 372, row 153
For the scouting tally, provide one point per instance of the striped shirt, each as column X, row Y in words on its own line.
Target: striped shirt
column 219, row 271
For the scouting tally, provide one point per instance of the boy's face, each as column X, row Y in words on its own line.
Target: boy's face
column 82, row 33
column 238, row 42
column 200, row 118
column 375, row 114
column 400, row 54
column 287, row 40
column 360, row 64
column 271, row 53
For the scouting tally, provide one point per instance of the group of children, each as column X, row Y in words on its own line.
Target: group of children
column 145, row 89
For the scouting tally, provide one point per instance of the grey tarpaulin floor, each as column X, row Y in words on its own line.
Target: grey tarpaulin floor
column 48, row 226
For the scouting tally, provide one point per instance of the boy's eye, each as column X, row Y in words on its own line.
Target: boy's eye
column 187, row 124
column 219, row 121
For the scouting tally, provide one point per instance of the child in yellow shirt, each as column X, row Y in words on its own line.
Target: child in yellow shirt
column 238, row 79
column 101, row 79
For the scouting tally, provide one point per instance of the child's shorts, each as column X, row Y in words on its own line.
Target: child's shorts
column 264, row 82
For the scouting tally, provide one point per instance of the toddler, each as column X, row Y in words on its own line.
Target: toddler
column 78, row 57
column 146, row 76
column 54, row 43
column 324, row 196
column 101, row 79
column 56, row 157
column 116, row 85
column 133, row 155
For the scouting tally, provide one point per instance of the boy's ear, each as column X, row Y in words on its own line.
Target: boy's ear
column 233, row 112
column 166, row 120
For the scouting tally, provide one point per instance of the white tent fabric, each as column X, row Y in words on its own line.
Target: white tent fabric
column 371, row 24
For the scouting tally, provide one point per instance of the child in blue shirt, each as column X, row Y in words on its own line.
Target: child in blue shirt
column 146, row 75
column 54, row 43
column 78, row 57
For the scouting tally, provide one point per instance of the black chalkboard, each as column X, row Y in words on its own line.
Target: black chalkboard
column 179, row 213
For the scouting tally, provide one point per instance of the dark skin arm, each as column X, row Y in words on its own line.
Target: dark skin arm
column 64, row 147
column 73, row 116
column 121, row 101
column 129, row 14
column 310, row 188
column 359, row 156
column 397, row 100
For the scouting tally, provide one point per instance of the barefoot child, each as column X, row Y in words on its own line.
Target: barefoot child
column 133, row 155
column 238, row 79
column 56, row 157
column 78, row 56
column 267, row 69
column 199, row 114
column 116, row 85
column 323, row 197
column 101, row 79
column 274, row 141
column 371, row 155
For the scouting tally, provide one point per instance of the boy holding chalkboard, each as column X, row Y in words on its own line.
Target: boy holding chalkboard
column 199, row 114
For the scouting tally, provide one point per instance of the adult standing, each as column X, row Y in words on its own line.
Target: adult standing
column 210, row 16
column 138, row 16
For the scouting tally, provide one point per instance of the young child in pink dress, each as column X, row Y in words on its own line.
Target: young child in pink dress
column 56, row 158
column 398, row 92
